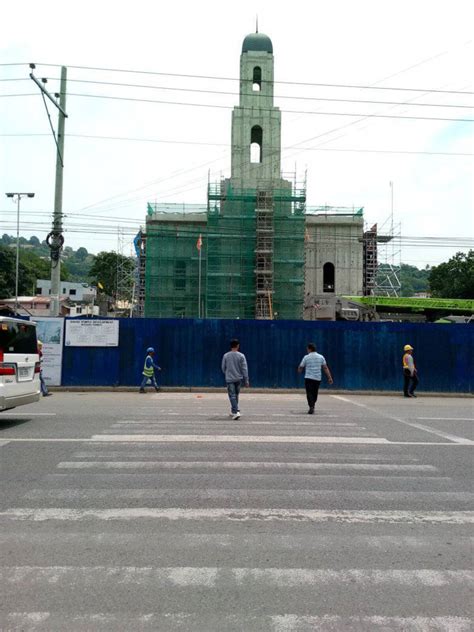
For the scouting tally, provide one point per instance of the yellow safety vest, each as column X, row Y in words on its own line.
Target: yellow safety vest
column 148, row 371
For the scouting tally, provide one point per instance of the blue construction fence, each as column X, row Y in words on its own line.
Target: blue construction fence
column 361, row 356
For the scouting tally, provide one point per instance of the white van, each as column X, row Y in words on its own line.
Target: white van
column 19, row 363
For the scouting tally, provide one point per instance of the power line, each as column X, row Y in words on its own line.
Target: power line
column 221, row 78
column 208, row 144
column 406, row 240
column 236, row 94
column 230, row 107
column 323, row 134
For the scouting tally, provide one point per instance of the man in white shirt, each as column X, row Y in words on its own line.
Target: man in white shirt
column 312, row 363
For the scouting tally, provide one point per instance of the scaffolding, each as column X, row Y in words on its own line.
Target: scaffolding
column 252, row 254
column 370, row 261
column 255, row 254
column 264, row 255
column 381, row 272
column 172, row 260
column 140, row 250
column 388, row 274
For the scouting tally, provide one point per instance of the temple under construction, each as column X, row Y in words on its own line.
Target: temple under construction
column 255, row 250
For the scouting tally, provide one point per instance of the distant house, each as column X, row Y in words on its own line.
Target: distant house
column 422, row 294
column 77, row 292
column 38, row 305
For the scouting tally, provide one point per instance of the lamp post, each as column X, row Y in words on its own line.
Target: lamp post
column 18, row 197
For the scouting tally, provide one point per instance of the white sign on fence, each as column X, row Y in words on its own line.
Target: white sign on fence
column 50, row 332
column 92, row 333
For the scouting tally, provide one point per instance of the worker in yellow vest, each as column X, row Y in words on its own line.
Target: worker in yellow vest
column 410, row 376
column 149, row 370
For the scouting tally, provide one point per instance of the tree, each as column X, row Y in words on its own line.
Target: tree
column 413, row 280
column 81, row 254
column 7, row 272
column 6, row 240
column 454, row 278
column 30, row 268
column 104, row 272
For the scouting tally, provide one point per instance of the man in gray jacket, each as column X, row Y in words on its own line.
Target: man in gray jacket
column 234, row 367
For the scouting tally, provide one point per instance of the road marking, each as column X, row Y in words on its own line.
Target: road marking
column 299, row 478
column 349, row 401
column 288, row 424
column 47, row 440
column 221, row 621
column 217, row 414
column 151, row 451
column 330, row 623
column 7, row 414
column 446, row 418
column 211, row 577
column 243, row 494
column 264, row 465
column 183, row 438
column 131, row 439
column 2, row 443
column 241, row 515
column 412, row 424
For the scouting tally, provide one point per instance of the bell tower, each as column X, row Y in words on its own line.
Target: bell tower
column 256, row 122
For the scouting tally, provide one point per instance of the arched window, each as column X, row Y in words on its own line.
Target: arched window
column 257, row 79
column 256, row 138
column 329, row 280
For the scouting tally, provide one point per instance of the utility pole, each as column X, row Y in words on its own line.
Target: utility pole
column 55, row 239
column 17, row 265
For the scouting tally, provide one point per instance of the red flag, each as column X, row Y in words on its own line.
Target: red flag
column 199, row 242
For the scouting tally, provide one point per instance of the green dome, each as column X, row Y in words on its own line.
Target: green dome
column 257, row 42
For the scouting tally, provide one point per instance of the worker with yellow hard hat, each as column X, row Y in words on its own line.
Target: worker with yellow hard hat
column 410, row 375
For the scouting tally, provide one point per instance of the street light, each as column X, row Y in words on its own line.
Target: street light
column 18, row 198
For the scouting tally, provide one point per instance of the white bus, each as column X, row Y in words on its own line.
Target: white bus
column 19, row 363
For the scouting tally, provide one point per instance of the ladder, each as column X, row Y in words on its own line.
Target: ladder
column 264, row 256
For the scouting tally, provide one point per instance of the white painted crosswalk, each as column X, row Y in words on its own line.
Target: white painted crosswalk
column 266, row 524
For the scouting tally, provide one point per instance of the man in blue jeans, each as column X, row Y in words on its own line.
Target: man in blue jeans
column 149, row 370
column 234, row 367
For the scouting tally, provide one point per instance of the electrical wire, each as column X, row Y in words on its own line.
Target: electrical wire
column 208, row 144
column 230, row 107
column 183, row 231
column 221, row 78
column 256, row 94
column 363, row 118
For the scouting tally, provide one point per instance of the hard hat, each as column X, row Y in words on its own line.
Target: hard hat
column 407, row 348
column 40, row 344
column 150, row 350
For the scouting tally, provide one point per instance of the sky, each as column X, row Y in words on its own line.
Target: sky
column 165, row 152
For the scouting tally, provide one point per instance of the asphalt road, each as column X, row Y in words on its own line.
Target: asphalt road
column 121, row 511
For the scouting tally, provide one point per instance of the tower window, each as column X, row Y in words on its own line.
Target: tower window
column 256, row 138
column 328, row 277
column 257, row 79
